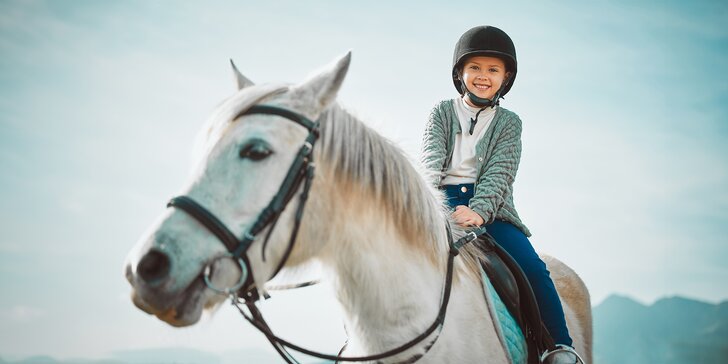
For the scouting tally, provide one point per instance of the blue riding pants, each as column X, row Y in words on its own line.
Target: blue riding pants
column 516, row 243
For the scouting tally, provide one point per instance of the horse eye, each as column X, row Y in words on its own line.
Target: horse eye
column 255, row 151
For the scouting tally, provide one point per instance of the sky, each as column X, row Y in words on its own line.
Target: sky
column 623, row 176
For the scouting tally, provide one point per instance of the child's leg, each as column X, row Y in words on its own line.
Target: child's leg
column 519, row 247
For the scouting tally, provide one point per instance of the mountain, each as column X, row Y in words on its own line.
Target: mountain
column 172, row 355
column 670, row 331
column 166, row 355
column 42, row 359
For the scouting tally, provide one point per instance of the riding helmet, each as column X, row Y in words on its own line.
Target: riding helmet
column 484, row 41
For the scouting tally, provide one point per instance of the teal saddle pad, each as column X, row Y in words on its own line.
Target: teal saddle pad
column 511, row 334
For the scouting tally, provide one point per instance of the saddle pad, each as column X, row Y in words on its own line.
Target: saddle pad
column 510, row 333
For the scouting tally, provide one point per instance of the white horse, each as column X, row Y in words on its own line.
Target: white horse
column 372, row 221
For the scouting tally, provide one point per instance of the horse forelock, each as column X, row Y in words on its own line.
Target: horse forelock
column 358, row 156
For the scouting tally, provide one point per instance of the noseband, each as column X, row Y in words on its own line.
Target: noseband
column 301, row 171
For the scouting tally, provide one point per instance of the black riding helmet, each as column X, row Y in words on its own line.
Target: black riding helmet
column 485, row 41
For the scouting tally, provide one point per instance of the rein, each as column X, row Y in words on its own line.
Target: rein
column 257, row 320
column 244, row 291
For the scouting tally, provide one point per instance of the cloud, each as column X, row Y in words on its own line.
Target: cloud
column 22, row 313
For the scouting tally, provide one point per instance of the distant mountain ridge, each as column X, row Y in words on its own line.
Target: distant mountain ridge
column 171, row 355
column 670, row 331
column 43, row 359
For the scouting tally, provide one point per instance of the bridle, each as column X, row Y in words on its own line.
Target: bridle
column 301, row 171
column 244, row 291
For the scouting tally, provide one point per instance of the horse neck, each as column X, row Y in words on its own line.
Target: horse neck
column 389, row 290
column 388, row 257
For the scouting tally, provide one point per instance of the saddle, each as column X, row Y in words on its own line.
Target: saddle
column 512, row 286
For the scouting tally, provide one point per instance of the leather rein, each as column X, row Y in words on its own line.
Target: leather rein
column 244, row 291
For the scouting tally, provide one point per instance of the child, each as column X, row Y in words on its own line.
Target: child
column 476, row 145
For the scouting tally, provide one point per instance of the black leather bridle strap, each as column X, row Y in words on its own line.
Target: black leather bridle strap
column 274, row 110
column 285, row 193
column 296, row 175
column 208, row 220
column 299, row 215
column 293, row 179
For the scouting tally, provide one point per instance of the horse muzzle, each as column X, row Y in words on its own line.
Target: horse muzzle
column 156, row 291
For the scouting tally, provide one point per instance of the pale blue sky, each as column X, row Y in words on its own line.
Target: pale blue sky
column 624, row 173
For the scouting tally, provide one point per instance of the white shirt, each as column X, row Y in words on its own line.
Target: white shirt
column 462, row 167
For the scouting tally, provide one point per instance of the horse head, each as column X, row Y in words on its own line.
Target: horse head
column 241, row 162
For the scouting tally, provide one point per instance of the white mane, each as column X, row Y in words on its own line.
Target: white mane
column 358, row 156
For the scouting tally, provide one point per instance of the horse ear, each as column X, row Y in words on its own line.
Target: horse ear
column 242, row 81
column 321, row 89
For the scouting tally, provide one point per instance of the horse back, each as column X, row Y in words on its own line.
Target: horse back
column 576, row 303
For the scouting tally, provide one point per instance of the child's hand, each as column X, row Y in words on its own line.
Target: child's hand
column 466, row 217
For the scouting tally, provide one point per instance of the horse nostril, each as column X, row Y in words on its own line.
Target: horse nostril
column 154, row 267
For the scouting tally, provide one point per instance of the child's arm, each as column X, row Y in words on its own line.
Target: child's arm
column 434, row 142
column 496, row 183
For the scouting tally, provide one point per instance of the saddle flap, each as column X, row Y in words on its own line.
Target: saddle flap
column 504, row 282
column 512, row 286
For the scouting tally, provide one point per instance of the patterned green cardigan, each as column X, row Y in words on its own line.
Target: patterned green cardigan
column 498, row 154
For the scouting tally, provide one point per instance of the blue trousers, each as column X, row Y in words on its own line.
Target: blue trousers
column 516, row 243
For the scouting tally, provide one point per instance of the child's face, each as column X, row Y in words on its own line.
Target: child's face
column 483, row 76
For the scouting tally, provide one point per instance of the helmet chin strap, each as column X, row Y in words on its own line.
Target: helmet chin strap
column 481, row 102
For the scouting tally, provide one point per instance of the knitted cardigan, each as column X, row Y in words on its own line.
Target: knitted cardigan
column 498, row 154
